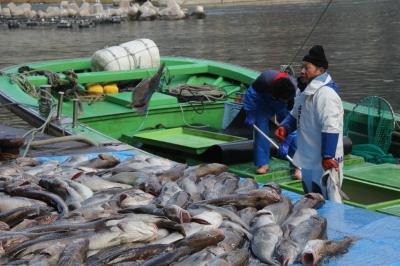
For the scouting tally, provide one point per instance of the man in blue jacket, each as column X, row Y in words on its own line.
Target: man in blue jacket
column 269, row 95
column 317, row 115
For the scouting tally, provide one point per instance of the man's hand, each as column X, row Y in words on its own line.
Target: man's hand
column 283, row 150
column 328, row 163
column 250, row 119
column 281, row 133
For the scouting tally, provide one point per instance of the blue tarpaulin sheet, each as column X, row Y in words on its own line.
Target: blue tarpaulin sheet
column 379, row 234
column 122, row 155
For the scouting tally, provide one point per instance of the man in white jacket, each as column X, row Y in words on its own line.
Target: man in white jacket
column 318, row 116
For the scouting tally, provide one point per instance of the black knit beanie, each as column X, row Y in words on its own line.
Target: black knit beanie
column 316, row 56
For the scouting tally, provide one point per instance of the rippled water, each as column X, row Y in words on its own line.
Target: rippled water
column 361, row 40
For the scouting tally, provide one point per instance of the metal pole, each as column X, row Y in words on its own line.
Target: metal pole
column 75, row 112
column 60, row 103
column 273, row 143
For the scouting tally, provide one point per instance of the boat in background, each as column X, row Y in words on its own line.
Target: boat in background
column 180, row 123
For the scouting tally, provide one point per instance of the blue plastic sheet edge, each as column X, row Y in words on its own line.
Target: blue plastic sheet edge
column 122, row 155
column 378, row 234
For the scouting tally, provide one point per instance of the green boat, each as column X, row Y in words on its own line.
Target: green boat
column 183, row 126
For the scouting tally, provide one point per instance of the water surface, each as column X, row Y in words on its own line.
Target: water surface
column 361, row 40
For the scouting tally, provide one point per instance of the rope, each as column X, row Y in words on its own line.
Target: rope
column 186, row 123
column 309, row 34
column 43, row 127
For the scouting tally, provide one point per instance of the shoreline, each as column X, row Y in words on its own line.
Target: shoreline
column 182, row 3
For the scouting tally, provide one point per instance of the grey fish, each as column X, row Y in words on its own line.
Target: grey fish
column 50, row 198
column 15, row 216
column 247, row 214
column 246, row 185
column 227, row 214
column 257, row 198
column 332, row 181
column 316, row 250
column 312, row 228
column 280, row 210
column 233, row 258
column 142, row 93
column 62, row 189
column 297, row 218
column 206, row 169
column 180, row 199
column 136, row 253
column 310, row 200
column 75, row 253
column 264, row 242
column 172, row 174
column 187, row 246
column 223, row 187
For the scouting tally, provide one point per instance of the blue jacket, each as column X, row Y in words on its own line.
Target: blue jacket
column 262, row 106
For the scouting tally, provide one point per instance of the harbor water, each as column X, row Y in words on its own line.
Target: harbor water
column 361, row 39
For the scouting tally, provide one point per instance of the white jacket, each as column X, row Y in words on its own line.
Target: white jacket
column 317, row 109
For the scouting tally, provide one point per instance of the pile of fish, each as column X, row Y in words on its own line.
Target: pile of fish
column 152, row 211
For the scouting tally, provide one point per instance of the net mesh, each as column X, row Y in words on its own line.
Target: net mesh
column 370, row 125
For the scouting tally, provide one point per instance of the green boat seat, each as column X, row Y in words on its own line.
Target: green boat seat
column 158, row 99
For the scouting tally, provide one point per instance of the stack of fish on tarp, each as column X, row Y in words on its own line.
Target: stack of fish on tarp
column 152, row 211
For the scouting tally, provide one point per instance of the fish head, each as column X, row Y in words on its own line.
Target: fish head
column 206, row 238
column 263, row 217
column 313, row 252
column 287, row 251
column 274, row 186
column 175, row 212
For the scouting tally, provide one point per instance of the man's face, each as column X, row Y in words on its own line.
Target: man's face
column 310, row 71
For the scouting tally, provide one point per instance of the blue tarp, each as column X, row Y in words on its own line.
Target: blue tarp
column 379, row 234
column 122, row 155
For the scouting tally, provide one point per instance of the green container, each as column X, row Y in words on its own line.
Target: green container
column 193, row 141
column 362, row 194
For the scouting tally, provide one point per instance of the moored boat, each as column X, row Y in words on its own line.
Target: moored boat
column 179, row 119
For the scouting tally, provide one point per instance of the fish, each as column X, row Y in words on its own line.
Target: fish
column 290, row 248
column 17, row 215
column 50, row 198
column 280, row 210
column 206, row 169
column 48, row 256
column 297, row 218
column 134, row 197
column 310, row 200
column 226, row 214
column 247, row 214
column 264, row 241
column 225, row 186
column 62, row 189
column 133, row 254
column 142, row 93
column 257, row 198
column 96, row 183
column 232, row 258
column 187, row 246
column 75, row 253
column 246, row 185
column 316, row 250
column 332, row 181
column 172, row 174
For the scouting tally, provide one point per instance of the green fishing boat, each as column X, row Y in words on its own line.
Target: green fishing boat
column 189, row 118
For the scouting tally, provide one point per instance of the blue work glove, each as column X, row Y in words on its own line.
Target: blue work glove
column 284, row 147
column 250, row 118
column 283, row 150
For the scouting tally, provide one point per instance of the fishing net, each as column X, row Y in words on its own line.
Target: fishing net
column 370, row 125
